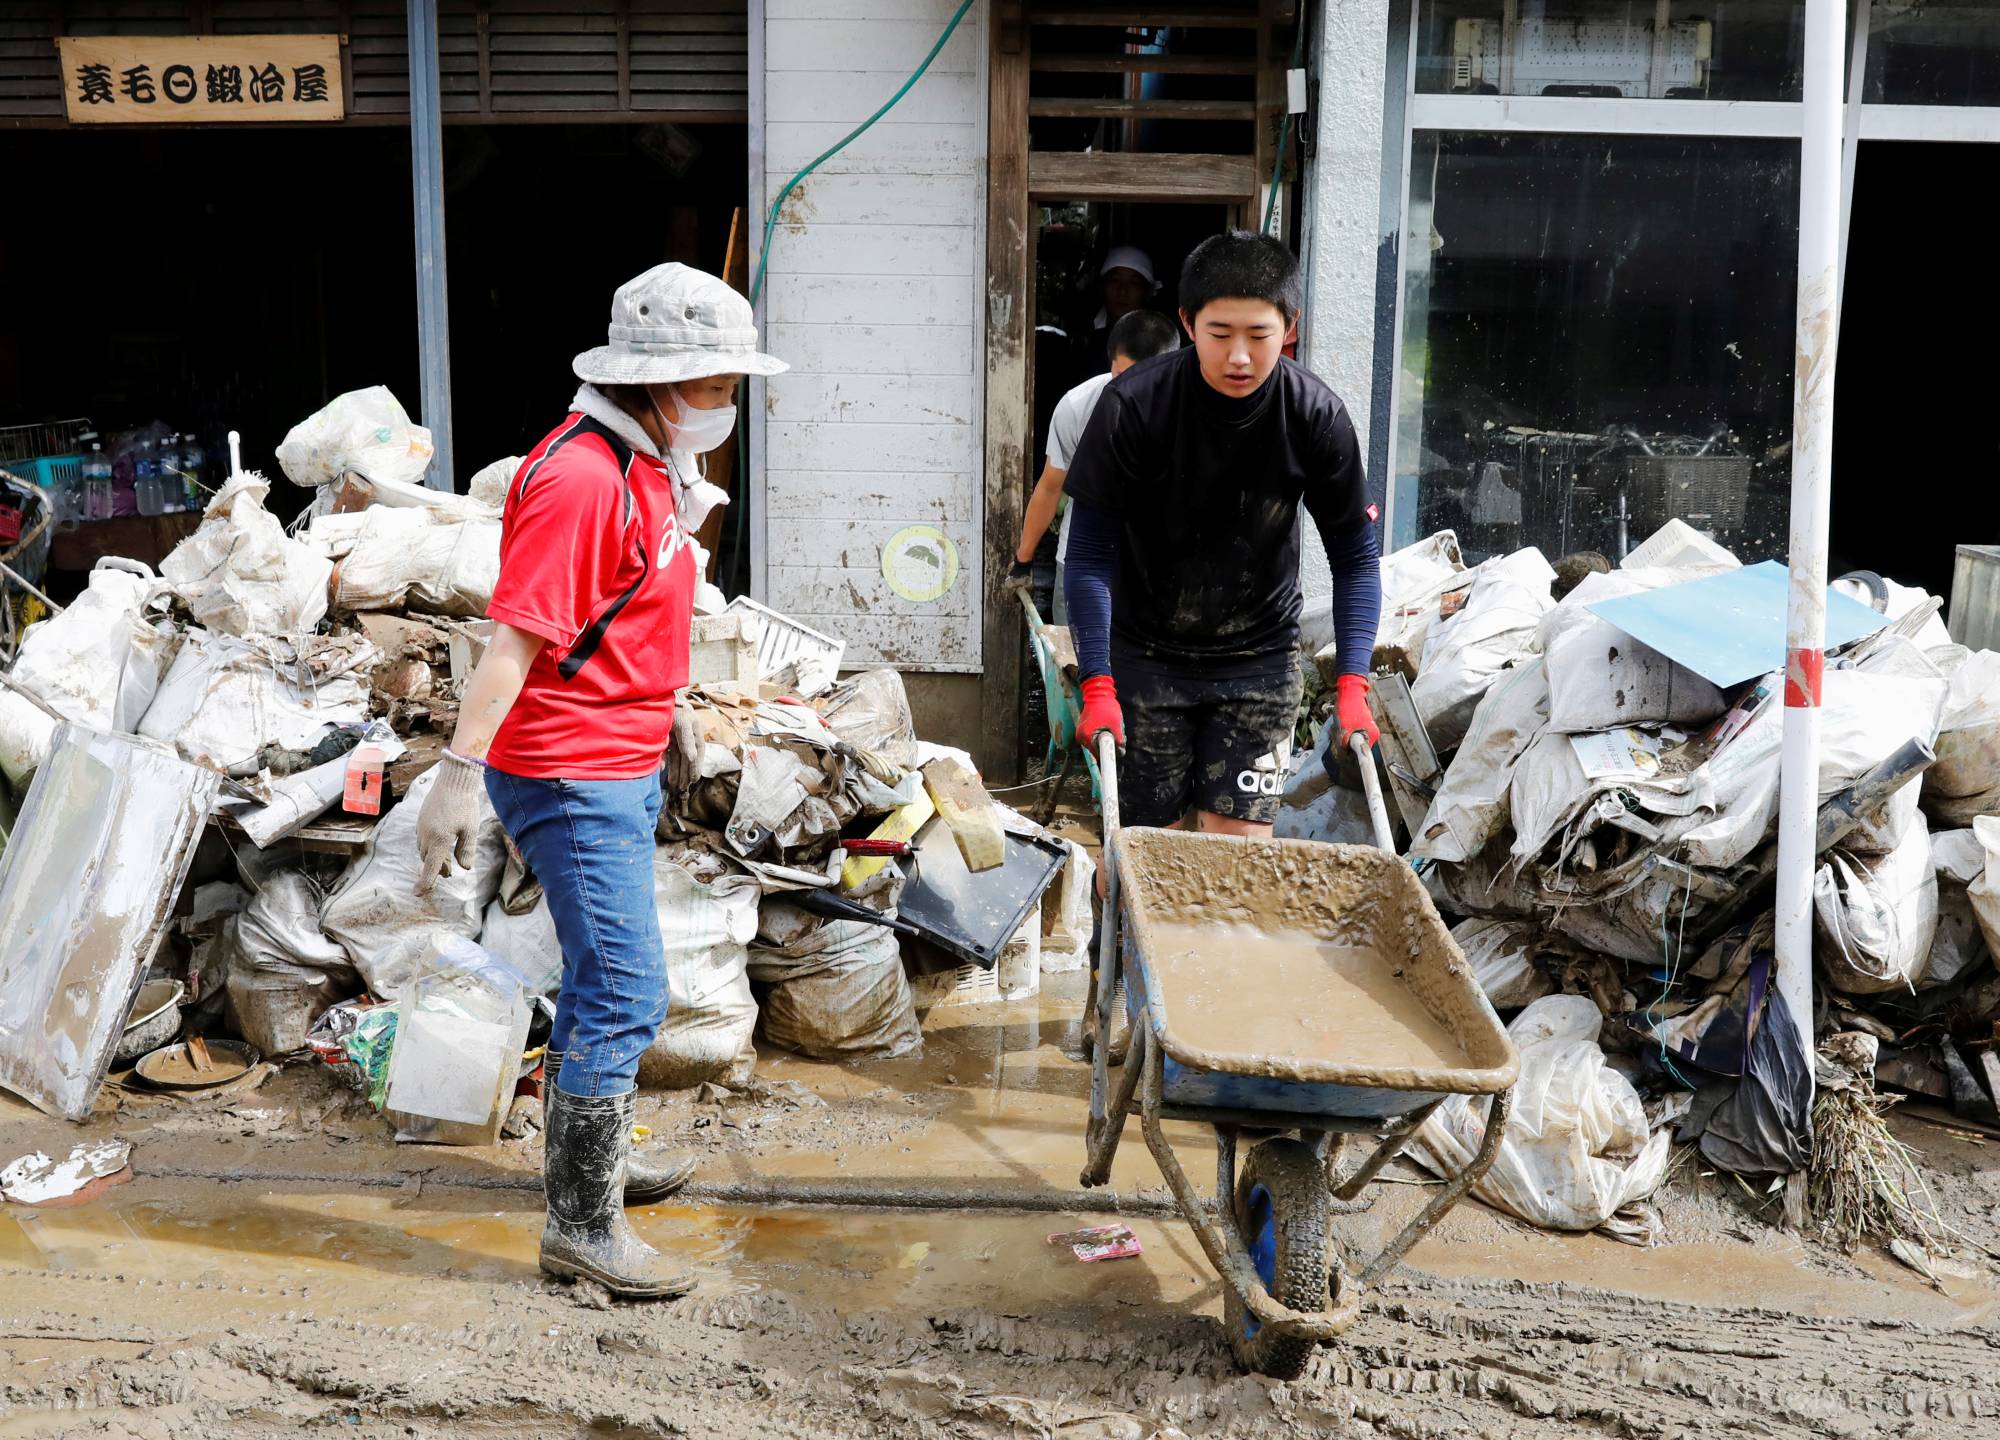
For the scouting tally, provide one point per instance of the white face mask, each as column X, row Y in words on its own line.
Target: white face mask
column 698, row 431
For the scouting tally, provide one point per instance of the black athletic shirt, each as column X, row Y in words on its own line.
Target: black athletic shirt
column 1206, row 491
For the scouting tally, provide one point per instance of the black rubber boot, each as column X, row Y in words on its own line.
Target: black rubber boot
column 583, row 1172
column 645, row 1181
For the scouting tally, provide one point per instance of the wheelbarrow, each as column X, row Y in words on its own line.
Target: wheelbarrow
column 1065, row 704
column 1292, row 1109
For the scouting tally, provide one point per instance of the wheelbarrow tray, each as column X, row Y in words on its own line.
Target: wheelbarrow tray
column 1349, row 895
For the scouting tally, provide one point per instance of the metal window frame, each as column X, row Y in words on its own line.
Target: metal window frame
column 1581, row 115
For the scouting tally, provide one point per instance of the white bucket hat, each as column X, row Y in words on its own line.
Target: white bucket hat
column 676, row 323
column 1130, row 257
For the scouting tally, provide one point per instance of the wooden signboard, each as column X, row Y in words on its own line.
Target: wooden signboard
column 200, row 79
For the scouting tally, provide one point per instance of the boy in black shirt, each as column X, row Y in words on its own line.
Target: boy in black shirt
column 1183, row 567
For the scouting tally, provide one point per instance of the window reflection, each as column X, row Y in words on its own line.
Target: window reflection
column 1597, row 335
column 1715, row 50
column 1937, row 52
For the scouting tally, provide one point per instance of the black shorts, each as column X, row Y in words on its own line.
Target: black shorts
column 1193, row 743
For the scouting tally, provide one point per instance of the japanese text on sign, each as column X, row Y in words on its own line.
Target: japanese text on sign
column 201, row 79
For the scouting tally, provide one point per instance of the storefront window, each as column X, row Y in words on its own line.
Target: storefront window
column 1597, row 336
column 1936, row 52
column 1708, row 50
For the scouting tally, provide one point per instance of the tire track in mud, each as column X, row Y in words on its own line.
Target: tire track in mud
column 1429, row 1359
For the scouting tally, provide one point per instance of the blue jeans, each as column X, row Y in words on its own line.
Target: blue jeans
column 590, row 843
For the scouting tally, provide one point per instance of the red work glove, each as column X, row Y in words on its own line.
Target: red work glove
column 1100, row 712
column 1350, row 710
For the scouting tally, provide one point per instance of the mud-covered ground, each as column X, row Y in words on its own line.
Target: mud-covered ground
column 276, row 1263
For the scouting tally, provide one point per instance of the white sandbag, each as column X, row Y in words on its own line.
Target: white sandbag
column 706, row 931
column 1471, row 805
column 1577, row 1148
column 224, row 699
column 838, row 991
column 98, row 662
column 1066, row 913
column 1877, row 915
column 1601, row 678
column 1411, row 611
column 526, row 944
column 283, row 971
column 1965, row 782
column 1502, row 956
column 872, row 710
column 489, row 482
column 1677, row 545
column 1493, row 631
column 1413, row 578
column 1901, row 599
column 241, row 574
column 366, row 431
column 1958, row 859
column 1985, row 891
column 418, row 560
column 375, row 908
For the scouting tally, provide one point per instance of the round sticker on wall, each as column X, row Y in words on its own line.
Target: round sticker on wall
column 920, row 563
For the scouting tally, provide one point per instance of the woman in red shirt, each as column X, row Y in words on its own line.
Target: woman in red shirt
column 564, row 722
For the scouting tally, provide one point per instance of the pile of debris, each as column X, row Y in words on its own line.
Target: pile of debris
column 234, row 753
column 1586, row 759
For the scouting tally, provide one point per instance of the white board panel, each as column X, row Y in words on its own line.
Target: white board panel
column 847, row 447
column 886, row 149
column 852, row 96
column 875, row 199
column 936, row 12
column 907, row 642
column 875, row 292
column 873, row 349
column 922, row 497
column 823, row 249
column 878, row 399
column 856, row 544
column 890, row 47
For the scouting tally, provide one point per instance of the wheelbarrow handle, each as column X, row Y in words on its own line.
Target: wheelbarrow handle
column 1371, row 786
column 1107, row 769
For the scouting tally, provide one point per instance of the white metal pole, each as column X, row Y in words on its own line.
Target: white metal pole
column 1812, row 456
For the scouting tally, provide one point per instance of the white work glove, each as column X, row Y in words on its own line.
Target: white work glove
column 448, row 825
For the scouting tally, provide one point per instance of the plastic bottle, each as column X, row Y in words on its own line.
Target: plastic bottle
column 66, row 495
column 192, row 477
column 171, row 492
column 146, row 477
column 97, row 497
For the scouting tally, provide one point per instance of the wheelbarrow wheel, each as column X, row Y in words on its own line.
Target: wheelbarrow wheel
column 1280, row 1210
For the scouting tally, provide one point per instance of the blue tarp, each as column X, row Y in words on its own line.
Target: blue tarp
column 1730, row 628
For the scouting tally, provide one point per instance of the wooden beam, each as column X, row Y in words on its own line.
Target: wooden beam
column 1144, row 64
column 1064, row 109
column 1010, row 308
column 1110, row 177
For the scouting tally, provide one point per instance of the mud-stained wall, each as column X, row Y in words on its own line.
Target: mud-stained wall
column 873, row 439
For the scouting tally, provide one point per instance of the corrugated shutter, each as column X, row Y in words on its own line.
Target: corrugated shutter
column 598, row 59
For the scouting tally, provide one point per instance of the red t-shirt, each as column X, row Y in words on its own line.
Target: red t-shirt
column 594, row 560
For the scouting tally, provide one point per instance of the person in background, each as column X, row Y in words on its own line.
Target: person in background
column 1125, row 284
column 1138, row 335
column 1183, row 560
column 565, row 720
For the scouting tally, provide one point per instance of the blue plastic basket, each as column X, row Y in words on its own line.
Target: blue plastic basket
column 46, row 470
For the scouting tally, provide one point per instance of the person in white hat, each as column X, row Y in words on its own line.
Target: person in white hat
column 563, row 724
column 1125, row 283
